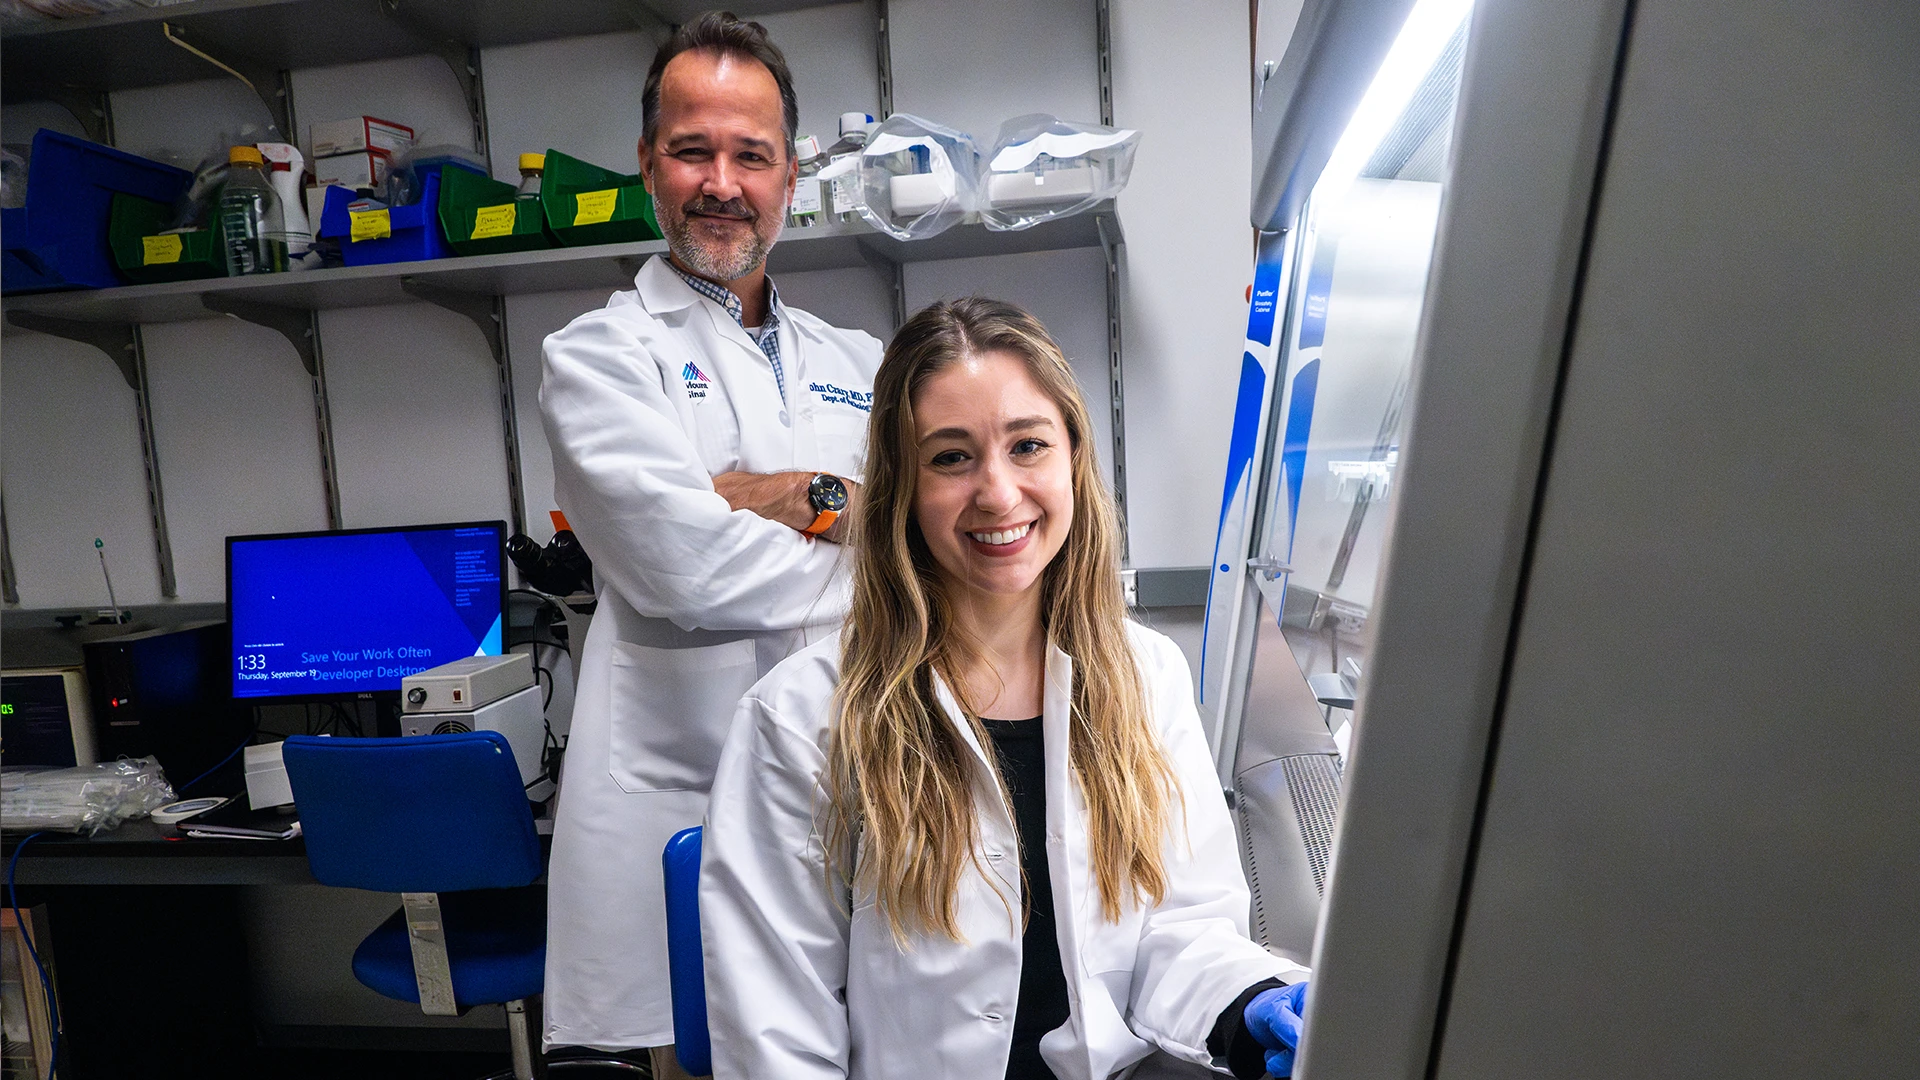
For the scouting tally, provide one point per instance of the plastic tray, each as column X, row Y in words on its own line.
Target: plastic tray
column 586, row 204
column 463, row 197
column 144, row 256
column 58, row 240
column 413, row 231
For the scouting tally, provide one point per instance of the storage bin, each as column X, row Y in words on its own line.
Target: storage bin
column 404, row 234
column 58, row 240
column 144, row 256
column 587, row 204
column 504, row 226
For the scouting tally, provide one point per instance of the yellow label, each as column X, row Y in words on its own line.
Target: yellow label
column 594, row 207
column 159, row 249
column 369, row 225
column 491, row 221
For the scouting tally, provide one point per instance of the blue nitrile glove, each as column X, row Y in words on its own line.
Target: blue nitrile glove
column 1273, row 1018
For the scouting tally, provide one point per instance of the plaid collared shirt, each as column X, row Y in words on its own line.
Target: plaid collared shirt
column 768, row 337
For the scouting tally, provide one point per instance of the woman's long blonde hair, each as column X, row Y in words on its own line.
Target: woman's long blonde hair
column 899, row 798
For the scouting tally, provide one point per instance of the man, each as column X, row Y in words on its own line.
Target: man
column 700, row 434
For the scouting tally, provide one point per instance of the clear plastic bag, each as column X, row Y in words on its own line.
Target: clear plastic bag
column 1043, row 168
column 917, row 178
column 89, row 799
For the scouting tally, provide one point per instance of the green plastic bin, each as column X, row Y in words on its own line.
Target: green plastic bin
column 587, row 204
column 474, row 211
column 143, row 255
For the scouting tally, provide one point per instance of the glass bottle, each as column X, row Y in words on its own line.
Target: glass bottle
column 252, row 222
column 532, row 166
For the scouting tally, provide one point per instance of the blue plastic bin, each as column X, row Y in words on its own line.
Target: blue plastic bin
column 415, row 228
column 59, row 239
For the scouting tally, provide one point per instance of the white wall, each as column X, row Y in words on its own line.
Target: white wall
column 1179, row 76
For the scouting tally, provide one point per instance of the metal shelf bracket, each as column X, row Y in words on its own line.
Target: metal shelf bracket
column 301, row 328
column 123, row 345
column 489, row 314
column 1113, row 246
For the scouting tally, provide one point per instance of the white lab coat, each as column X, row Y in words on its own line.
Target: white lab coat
column 798, row 989
column 644, row 401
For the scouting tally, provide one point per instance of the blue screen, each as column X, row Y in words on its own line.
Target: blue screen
column 353, row 612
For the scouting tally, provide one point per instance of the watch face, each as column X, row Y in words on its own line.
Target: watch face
column 827, row 492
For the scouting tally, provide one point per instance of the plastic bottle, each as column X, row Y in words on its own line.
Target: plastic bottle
column 854, row 129
column 251, row 216
column 285, row 166
column 532, row 167
column 806, row 211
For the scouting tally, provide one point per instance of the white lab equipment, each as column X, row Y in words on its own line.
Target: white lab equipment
column 644, row 402
column 1042, row 168
column 805, row 980
column 915, row 178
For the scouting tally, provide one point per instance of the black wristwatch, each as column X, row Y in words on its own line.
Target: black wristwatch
column 828, row 496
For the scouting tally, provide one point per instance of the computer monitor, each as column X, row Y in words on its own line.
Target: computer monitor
column 44, row 719
column 332, row 615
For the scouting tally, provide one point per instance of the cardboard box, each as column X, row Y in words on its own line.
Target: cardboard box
column 365, row 169
column 358, row 133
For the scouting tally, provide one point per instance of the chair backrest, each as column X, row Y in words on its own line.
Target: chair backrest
column 686, row 969
column 432, row 813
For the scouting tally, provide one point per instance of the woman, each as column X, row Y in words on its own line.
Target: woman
column 979, row 834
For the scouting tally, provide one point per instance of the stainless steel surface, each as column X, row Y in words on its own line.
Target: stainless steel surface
column 1697, row 839
column 1527, row 138
column 1300, row 111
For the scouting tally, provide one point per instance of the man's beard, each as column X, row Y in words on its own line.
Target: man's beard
column 719, row 260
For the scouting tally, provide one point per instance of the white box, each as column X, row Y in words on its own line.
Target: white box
column 1025, row 189
column 267, row 783
column 914, row 194
column 365, row 169
column 465, row 684
column 517, row 716
column 359, row 133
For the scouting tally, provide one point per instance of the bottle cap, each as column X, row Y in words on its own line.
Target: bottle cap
column 851, row 122
column 245, row 155
column 806, row 148
column 532, row 161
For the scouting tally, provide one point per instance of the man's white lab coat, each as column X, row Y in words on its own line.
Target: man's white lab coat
column 644, row 401
column 799, row 989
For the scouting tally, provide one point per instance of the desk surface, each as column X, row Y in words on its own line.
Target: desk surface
column 143, row 853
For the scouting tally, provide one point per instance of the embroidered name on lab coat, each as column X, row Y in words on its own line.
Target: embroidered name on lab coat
column 696, row 380
column 834, row 395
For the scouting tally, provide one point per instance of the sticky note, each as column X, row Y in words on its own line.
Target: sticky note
column 491, row 221
column 159, row 249
column 594, row 207
column 369, row 225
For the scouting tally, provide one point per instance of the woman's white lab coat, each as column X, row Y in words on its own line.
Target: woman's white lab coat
column 644, row 401
column 797, row 988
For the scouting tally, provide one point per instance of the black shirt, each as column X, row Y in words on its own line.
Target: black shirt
column 1020, row 747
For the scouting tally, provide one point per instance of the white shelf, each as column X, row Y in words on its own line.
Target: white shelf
column 609, row 266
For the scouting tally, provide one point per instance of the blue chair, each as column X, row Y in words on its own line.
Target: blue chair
column 443, row 821
column 686, row 968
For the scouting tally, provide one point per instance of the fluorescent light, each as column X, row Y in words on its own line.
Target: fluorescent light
column 1414, row 52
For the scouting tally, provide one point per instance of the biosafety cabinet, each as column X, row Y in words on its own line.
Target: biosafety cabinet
column 1570, row 488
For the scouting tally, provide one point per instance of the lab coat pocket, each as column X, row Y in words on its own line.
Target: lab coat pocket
column 671, row 710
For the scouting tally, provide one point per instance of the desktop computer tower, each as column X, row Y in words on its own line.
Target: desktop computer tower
column 164, row 693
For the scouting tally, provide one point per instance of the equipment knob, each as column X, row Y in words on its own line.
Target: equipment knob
column 417, row 696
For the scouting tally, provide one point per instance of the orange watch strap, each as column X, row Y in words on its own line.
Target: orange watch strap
column 822, row 523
